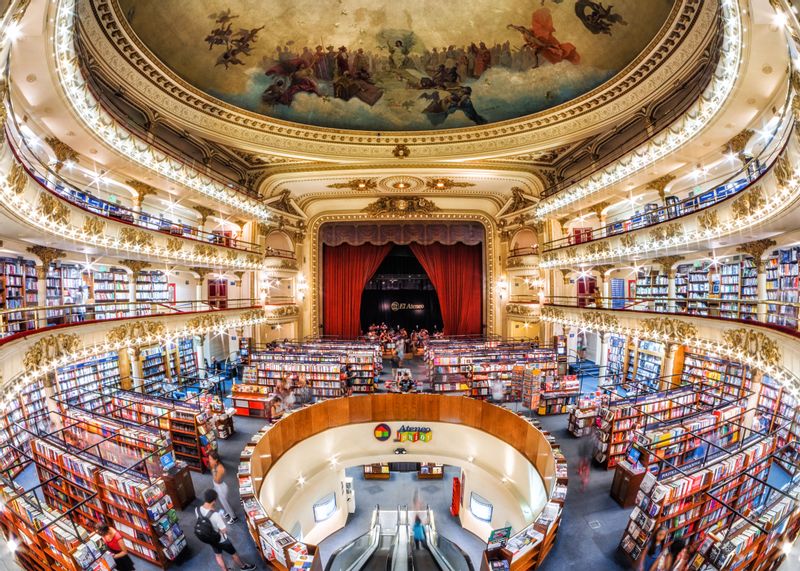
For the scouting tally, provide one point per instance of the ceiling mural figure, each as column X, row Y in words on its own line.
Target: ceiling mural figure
column 410, row 66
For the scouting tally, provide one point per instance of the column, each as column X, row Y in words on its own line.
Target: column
column 199, row 349
column 602, row 351
column 572, row 343
column 671, row 290
column 136, row 369
column 669, row 363
column 41, row 292
column 761, row 291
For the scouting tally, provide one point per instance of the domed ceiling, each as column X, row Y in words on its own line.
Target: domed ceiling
column 405, row 65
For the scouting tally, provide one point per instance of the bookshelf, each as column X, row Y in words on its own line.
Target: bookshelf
column 152, row 286
column 581, row 420
column 723, row 379
column 644, row 362
column 110, row 285
column 543, row 368
column 557, row 394
column 738, row 281
column 139, row 509
column 75, row 382
column 777, row 406
column 616, row 361
column 184, row 358
column 653, row 286
column 360, row 370
column 19, row 287
column 681, row 504
column 430, row 471
column 155, row 371
column 783, row 284
column 47, row 540
column 377, row 471
column 245, row 348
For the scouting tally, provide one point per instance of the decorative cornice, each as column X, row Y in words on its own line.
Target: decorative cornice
column 598, row 208
column 202, row 272
column 754, row 343
column 46, row 255
column 64, row 153
column 398, row 206
column 141, row 190
column 737, row 144
column 239, row 274
column 666, row 262
column 603, row 269
column 750, row 202
column 206, row 322
column 660, row 184
column 135, row 266
column 401, row 151
column 50, row 348
column 522, row 309
column 599, row 320
column 756, row 249
column 204, row 212
column 552, row 313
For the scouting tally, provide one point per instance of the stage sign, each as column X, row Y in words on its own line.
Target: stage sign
column 397, row 306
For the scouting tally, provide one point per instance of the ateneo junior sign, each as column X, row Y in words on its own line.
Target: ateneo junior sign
column 383, row 432
column 397, row 306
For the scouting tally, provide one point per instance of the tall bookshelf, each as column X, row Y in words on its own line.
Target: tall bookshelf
column 18, row 289
column 110, row 285
column 361, row 371
column 615, row 363
column 777, row 406
column 152, row 286
column 653, row 286
column 155, row 367
column 783, row 284
column 63, row 286
column 738, row 281
column 558, row 395
column 27, row 411
column 185, row 358
column 76, row 381
column 644, row 362
column 725, row 380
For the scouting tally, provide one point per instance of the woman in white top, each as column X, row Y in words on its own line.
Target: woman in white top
column 218, row 475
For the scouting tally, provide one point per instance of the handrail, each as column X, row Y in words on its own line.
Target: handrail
column 58, row 185
column 731, row 186
column 25, row 321
column 524, row 251
column 770, row 313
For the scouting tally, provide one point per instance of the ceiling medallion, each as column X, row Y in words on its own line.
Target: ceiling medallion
column 402, row 183
column 401, row 151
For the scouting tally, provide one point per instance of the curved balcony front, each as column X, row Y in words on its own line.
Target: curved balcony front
column 749, row 200
column 759, row 342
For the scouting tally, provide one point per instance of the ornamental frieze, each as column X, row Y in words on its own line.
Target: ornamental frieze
column 93, row 225
column 749, row 203
column 53, row 208
column 754, row 343
column 522, row 309
column 136, row 237
column 50, row 348
column 398, row 206
column 673, row 329
column 206, row 322
column 599, row 320
column 553, row 313
column 134, row 330
column 17, row 179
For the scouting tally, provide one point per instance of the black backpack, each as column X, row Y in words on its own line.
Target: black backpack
column 204, row 529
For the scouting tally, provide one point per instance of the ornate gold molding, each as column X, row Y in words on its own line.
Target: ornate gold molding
column 284, row 311
column 754, row 343
column 673, row 329
column 174, row 244
column 395, row 205
column 46, row 255
column 52, row 208
column 50, row 348
column 445, row 184
column 202, row 272
column 666, row 263
column 204, row 212
column 603, row 269
column 288, row 265
column 135, row 266
column 64, row 153
column 204, row 250
column 141, row 190
column 401, row 151
column 134, row 330
column 17, row 178
column 628, row 241
column 666, row 231
column 357, row 184
column 598, row 248
column 600, row 320
column 660, row 184
column 521, row 309
column 136, row 237
column 709, row 220
column 598, row 208
column 93, row 225
column 552, row 313
column 206, row 322
column 756, row 249
column 737, row 144
column 750, row 202
column 239, row 274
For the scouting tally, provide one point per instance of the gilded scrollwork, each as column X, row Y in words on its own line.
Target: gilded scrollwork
column 673, row 329
column 599, row 320
column 708, row 220
column 522, row 309
column 50, row 348
column 93, row 225
column 552, row 313
column 135, row 237
column 754, row 343
column 666, row 231
column 206, row 322
column 598, row 248
column 397, row 206
column 628, row 241
column 52, row 208
column 17, row 178
column 749, row 203
column 127, row 333
column 174, row 244
column 205, row 250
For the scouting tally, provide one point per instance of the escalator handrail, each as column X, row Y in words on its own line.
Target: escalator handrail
column 432, row 541
column 370, row 551
column 397, row 555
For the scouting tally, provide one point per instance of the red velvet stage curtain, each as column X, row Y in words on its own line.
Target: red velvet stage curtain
column 346, row 270
column 456, row 273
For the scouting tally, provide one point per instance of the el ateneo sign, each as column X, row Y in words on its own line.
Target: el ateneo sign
column 383, row 432
column 397, row 306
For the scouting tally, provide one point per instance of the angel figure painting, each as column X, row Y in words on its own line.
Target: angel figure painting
column 374, row 66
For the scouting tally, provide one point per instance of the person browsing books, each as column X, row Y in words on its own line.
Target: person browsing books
column 210, row 528
column 220, row 486
column 116, row 545
column 654, row 550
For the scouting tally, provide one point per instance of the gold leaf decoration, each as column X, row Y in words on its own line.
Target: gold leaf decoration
column 134, row 266
column 552, row 313
column 749, row 203
column 357, row 184
column 666, row 231
column 206, row 250
column 174, row 244
column 17, row 178
column 52, row 208
column 206, row 322
column 135, row 237
column 395, row 206
column 64, row 153
column 446, row 184
column 600, row 320
column 521, row 309
column 754, row 343
column 284, row 311
column 628, row 241
column 47, row 255
column 133, row 330
column 598, row 248
column 709, row 220
column 50, row 348
column 673, row 329
column 93, row 225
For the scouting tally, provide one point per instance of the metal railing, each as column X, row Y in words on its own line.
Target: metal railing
column 772, row 313
column 26, row 320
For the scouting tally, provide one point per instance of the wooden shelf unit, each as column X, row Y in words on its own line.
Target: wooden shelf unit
column 77, row 381
column 783, row 284
column 110, row 285
column 152, row 286
column 155, row 368
column 19, row 288
column 377, row 471
column 430, row 471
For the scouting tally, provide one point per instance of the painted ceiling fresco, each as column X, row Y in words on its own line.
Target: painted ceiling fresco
column 403, row 65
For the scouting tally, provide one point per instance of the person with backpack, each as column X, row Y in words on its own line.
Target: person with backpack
column 211, row 529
